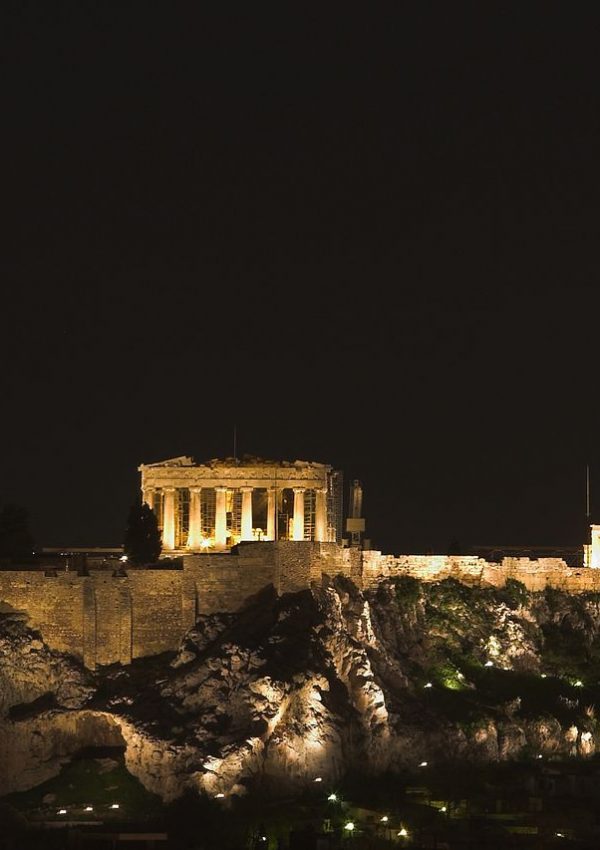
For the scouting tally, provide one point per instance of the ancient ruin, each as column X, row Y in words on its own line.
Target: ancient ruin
column 238, row 528
column 217, row 504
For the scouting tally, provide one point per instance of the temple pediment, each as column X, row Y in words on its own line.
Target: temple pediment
column 173, row 461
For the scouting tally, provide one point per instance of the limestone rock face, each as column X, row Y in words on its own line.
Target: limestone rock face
column 314, row 684
column 34, row 749
column 29, row 670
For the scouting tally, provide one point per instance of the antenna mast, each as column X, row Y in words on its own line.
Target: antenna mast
column 587, row 493
column 235, row 443
column 588, row 527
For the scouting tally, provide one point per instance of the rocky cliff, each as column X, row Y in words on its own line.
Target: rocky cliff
column 315, row 684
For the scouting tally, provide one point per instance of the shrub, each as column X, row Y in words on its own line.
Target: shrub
column 408, row 589
column 514, row 593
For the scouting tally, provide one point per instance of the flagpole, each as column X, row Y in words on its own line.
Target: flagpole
column 588, row 533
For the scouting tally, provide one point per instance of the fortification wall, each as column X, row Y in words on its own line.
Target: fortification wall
column 223, row 582
column 109, row 617
column 159, row 608
column 54, row 605
column 226, row 581
column 534, row 574
column 376, row 567
column 104, row 619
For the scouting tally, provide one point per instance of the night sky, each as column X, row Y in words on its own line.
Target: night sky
column 368, row 237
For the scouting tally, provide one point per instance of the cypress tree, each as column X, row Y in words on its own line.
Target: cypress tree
column 142, row 542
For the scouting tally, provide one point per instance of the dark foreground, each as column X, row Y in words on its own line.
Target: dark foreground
column 96, row 803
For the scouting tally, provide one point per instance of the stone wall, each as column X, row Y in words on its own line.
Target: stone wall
column 225, row 581
column 534, row 574
column 54, row 605
column 105, row 619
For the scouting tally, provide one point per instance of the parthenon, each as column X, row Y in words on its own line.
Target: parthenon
column 217, row 504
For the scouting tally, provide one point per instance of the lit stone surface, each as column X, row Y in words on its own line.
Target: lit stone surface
column 182, row 494
column 102, row 619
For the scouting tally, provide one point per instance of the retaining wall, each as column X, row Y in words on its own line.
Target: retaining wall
column 103, row 618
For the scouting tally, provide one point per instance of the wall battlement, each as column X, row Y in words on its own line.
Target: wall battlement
column 104, row 619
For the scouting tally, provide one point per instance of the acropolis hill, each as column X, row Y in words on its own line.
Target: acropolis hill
column 239, row 527
column 267, row 650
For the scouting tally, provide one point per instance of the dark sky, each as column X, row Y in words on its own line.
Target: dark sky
column 366, row 237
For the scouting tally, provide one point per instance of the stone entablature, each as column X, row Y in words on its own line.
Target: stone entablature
column 218, row 473
column 220, row 503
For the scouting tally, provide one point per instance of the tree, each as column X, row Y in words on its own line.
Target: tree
column 142, row 542
column 15, row 538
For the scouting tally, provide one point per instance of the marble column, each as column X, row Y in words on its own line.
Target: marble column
column 321, row 515
column 148, row 497
column 194, row 540
column 271, row 512
column 168, row 532
column 298, row 526
column 221, row 517
column 246, row 529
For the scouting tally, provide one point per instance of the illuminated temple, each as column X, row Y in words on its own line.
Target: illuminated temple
column 217, row 504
